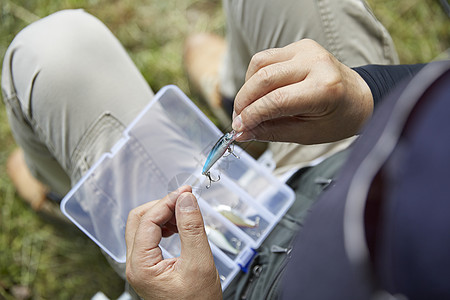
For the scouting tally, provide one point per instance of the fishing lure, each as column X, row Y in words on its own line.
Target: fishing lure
column 219, row 239
column 236, row 218
column 220, row 148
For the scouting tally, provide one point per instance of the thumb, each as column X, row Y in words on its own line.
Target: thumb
column 194, row 242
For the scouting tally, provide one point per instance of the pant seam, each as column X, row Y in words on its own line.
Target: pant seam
column 13, row 102
column 79, row 154
column 331, row 35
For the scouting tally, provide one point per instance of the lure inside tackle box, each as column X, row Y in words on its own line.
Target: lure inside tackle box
column 166, row 147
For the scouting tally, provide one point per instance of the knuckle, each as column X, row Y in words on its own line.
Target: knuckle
column 253, row 116
column 276, row 98
column 264, row 77
column 134, row 213
column 193, row 228
column 304, row 43
column 259, row 58
column 324, row 57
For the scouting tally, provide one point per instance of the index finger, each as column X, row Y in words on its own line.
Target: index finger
column 266, row 81
column 260, row 60
column 281, row 102
column 159, row 211
column 268, row 57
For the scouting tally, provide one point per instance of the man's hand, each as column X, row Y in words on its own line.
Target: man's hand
column 193, row 275
column 300, row 93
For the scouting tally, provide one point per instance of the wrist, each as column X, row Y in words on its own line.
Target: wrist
column 363, row 98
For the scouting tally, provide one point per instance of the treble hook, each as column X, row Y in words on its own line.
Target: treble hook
column 231, row 151
column 208, row 174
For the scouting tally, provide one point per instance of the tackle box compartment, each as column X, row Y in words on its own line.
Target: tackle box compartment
column 164, row 148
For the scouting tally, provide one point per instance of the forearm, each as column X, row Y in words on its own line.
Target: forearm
column 381, row 79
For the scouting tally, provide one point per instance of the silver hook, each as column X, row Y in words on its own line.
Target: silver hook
column 231, row 151
column 208, row 174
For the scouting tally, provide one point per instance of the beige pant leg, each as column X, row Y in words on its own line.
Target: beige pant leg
column 70, row 89
column 346, row 28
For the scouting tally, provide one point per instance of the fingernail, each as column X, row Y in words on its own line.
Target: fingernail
column 237, row 123
column 187, row 202
column 245, row 136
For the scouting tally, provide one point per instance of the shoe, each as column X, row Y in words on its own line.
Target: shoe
column 31, row 190
column 28, row 188
column 202, row 58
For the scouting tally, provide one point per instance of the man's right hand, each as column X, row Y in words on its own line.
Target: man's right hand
column 302, row 94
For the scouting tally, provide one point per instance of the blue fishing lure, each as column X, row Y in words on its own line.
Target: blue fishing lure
column 220, row 148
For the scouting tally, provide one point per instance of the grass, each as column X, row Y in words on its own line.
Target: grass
column 42, row 261
column 419, row 28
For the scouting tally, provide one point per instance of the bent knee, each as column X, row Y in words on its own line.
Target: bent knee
column 60, row 32
column 57, row 42
column 58, row 50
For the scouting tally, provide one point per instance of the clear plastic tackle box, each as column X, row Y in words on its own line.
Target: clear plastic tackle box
column 164, row 148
